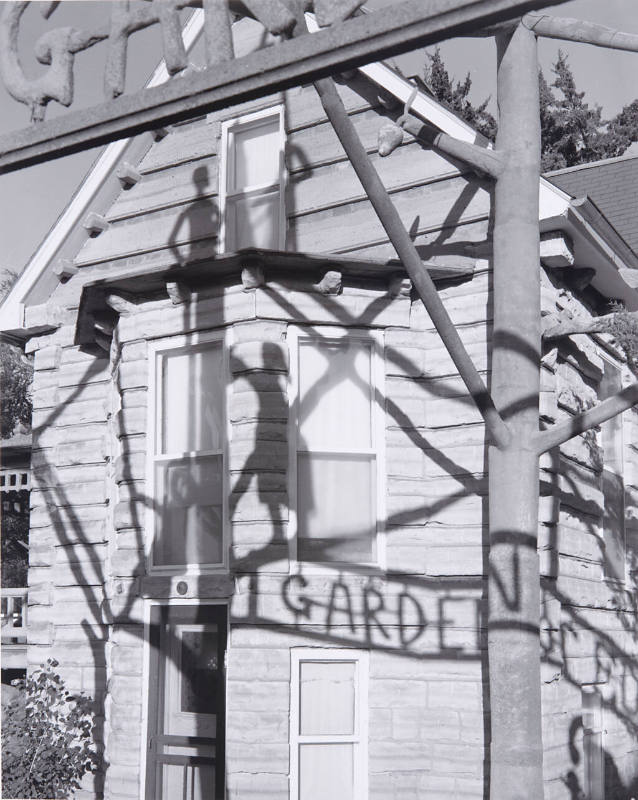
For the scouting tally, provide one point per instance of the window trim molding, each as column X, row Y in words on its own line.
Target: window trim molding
column 156, row 349
column 331, row 654
column 378, row 422
column 612, row 580
column 226, row 154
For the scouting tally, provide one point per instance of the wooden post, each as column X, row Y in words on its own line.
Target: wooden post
column 514, row 582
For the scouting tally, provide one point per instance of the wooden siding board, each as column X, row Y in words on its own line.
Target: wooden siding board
column 182, row 144
column 169, row 187
column 334, row 184
column 154, row 231
column 349, row 226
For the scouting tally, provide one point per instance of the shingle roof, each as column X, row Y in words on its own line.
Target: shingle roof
column 613, row 186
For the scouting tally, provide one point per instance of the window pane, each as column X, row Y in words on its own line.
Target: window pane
column 335, row 410
column 336, row 508
column 189, row 494
column 187, row 782
column 198, row 671
column 327, row 697
column 193, row 395
column 326, row 772
column 253, row 222
column 256, row 154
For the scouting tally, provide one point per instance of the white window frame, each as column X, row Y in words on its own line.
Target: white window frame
column 156, row 350
column 359, row 738
column 378, row 445
column 619, row 471
column 228, row 128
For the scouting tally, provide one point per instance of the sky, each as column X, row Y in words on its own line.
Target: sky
column 32, row 199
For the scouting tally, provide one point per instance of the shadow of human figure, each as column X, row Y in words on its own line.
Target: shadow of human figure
column 198, row 220
column 268, row 385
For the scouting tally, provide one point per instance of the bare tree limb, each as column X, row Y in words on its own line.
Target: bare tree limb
column 484, row 161
column 480, row 159
column 558, row 434
column 575, row 30
column 556, row 326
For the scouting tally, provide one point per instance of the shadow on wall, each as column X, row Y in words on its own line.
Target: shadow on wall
column 383, row 613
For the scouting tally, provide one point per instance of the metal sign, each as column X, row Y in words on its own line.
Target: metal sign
column 346, row 41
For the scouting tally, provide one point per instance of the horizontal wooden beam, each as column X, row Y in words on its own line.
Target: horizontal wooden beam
column 389, row 31
column 576, row 30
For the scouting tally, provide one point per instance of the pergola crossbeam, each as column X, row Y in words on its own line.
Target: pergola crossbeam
column 575, row 30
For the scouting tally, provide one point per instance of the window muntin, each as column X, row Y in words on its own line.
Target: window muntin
column 328, row 737
column 252, row 178
column 336, row 464
column 613, row 479
column 188, row 457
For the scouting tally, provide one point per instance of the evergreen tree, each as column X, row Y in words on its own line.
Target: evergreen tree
column 455, row 97
column 572, row 132
column 16, row 374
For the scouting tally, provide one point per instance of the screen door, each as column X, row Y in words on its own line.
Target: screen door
column 185, row 759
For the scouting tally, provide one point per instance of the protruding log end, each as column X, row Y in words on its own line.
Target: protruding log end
column 178, row 292
column 331, row 283
column 64, row 269
column 252, row 276
column 128, row 175
column 399, row 286
column 95, row 223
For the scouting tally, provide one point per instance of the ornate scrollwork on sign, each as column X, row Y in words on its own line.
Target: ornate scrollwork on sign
column 57, row 48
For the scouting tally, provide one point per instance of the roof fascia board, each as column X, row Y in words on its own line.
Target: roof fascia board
column 389, row 79
column 13, row 306
column 609, row 280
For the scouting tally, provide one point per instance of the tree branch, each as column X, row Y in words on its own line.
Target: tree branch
column 482, row 160
column 558, row 434
column 556, row 326
column 575, row 30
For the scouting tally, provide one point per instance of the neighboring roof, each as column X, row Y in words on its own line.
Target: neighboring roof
column 20, row 440
column 612, row 184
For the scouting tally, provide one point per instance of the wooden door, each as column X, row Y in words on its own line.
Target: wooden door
column 185, row 759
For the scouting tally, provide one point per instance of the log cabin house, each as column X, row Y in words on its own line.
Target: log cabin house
column 258, row 511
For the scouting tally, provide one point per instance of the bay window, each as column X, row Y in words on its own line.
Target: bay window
column 188, row 457
column 337, row 454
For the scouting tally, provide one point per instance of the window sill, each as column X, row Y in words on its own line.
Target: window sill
column 188, row 586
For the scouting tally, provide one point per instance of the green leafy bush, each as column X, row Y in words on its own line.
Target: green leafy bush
column 47, row 738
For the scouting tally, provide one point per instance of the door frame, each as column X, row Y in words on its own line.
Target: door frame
column 149, row 670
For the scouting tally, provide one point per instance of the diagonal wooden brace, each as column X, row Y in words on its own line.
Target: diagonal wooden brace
column 411, row 260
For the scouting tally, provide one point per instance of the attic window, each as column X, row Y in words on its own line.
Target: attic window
column 187, row 471
column 252, row 176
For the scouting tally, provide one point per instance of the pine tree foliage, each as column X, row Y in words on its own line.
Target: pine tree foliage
column 455, row 96
column 16, row 374
column 572, row 131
